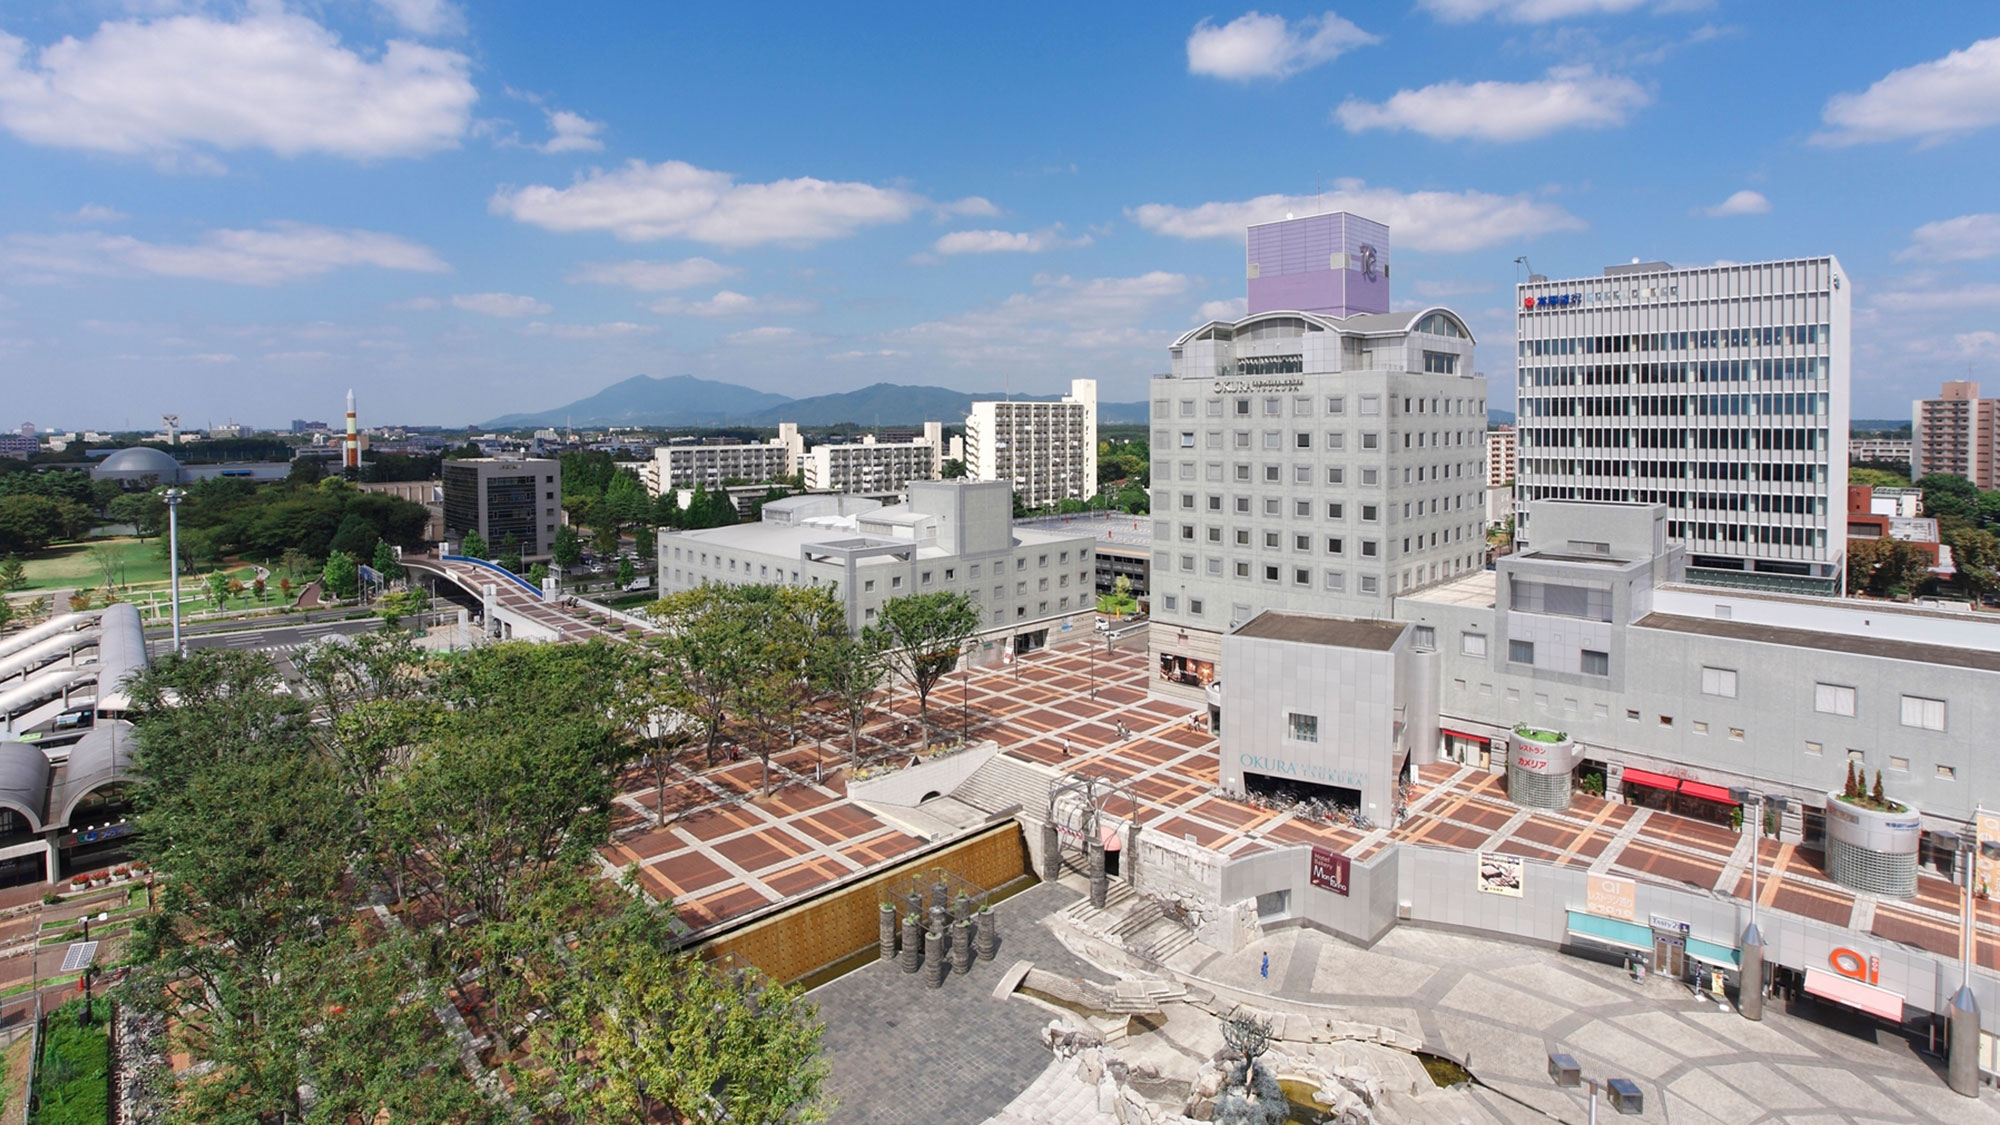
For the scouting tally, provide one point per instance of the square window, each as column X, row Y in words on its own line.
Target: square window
column 1521, row 652
column 1371, row 404
column 1242, row 570
column 1215, row 535
column 1925, row 714
column 1187, row 439
column 1302, row 440
column 1370, row 583
column 1596, row 663
column 1271, row 506
column 1472, row 644
column 1270, row 540
column 1301, row 576
column 1194, row 606
column 1270, row 574
column 1336, row 441
column 1336, row 404
column 1187, row 503
column 1336, row 511
column 1370, row 476
column 896, row 582
column 1243, row 505
column 1302, row 543
column 1336, row 581
column 1335, row 545
column 1371, row 440
column 867, row 585
column 1272, row 439
column 1370, row 513
column 1336, row 475
column 1302, row 474
column 1302, row 728
column 1214, row 502
column 1424, row 637
column 1370, row 548
column 1242, row 472
column 1173, row 603
column 1271, row 474
column 1719, row 681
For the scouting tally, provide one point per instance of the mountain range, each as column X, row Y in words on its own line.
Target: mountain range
column 684, row 400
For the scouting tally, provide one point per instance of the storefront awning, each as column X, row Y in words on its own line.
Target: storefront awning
column 1486, row 738
column 1707, row 792
column 1859, row 995
column 1109, row 836
column 1652, row 780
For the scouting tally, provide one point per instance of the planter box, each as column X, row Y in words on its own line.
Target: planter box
column 1539, row 767
column 1872, row 851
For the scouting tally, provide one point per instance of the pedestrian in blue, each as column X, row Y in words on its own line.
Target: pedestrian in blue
column 1266, row 970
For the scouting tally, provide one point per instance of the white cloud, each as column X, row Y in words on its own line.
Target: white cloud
column 499, row 304
column 877, row 353
column 608, row 330
column 1570, row 97
column 1980, row 295
column 425, row 17
column 94, row 213
column 573, row 132
column 1062, row 314
column 278, row 253
column 768, row 334
column 1964, row 239
column 1533, row 11
column 1442, row 221
column 642, row 202
column 273, row 80
column 294, row 357
column 727, row 303
column 972, row 206
column 654, row 276
column 1229, row 309
column 1745, row 202
column 1933, row 101
column 1255, row 45
column 1002, row 241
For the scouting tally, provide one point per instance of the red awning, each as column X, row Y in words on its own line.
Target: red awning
column 1707, row 792
column 1487, row 739
column 1110, row 837
column 1652, row 780
column 1858, row 995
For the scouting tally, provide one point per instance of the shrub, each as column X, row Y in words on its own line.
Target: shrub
column 73, row 1083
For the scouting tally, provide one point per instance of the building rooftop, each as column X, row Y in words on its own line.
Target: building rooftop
column 1118, row 529
column 1334, row 632
column 1479, row 588
column 1886, row 648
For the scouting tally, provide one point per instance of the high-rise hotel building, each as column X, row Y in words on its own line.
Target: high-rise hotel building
column 1321, row 455
column 1718, row 391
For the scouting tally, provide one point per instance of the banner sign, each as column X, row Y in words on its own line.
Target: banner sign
column 1609, row 896
column 1501, row 874
column 1329, row 871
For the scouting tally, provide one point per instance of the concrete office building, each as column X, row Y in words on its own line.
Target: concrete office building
column 1046, row 450
column 498, row 497
column 1673, row 691
column 1720, row 392
column 686, row 466
column 1320, row 461
column 1956, row 433
column 1899, row 450
column 951, row 535
column 872, row 466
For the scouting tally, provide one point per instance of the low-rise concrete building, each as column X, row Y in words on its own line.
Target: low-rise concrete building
column 501, row 497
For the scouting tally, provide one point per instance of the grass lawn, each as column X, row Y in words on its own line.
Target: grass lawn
column 70, row 565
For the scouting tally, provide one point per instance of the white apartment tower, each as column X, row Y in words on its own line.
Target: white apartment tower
column 708, row 466
column 1048, row 450
column 872, row 466
column 1720, row 392
column 1321, row 455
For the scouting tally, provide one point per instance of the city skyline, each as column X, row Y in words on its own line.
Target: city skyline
column 462, row 213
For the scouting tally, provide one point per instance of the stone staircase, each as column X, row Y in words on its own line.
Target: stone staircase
column 1004, row 782
column 1132, row 921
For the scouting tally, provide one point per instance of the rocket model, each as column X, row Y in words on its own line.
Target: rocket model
column 350, row 453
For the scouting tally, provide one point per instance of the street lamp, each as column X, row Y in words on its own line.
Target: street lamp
column 1625, row 1095
column 1750, row 989
column 173, row 497
column 90, row 966
column 1962, row 1015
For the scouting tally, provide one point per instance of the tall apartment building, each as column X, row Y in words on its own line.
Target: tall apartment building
column 1048, row 450
column 1320, row 460
column 1720, row 392
column 1956, row 433
column 1500, row 468
column 872, row 466
column 685, row 466
column 501, row 496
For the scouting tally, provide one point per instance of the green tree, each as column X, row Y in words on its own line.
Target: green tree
column 537, row 573
column 145, row 511
column 953, row 469
column 340, row 576
column 1950, row 499
column 474, row 545
column 1977, row 556
column 567, row 550
column 507, row 554
column 13, row 574
column 787, row 624
column 386, row 563
column 1119, row 602
column 850, row 670
column 1876, row 478
column 6, row 613
column 625, row 572
column 923, row 636
column 403, row 603
column 706, row 651
column 295, row 562
column 218, row 588
column 356, row 536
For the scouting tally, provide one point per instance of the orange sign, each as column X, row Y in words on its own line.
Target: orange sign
column 1609, row 896
column 1848, row 963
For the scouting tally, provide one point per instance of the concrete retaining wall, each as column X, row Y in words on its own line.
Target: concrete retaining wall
column 940, row 775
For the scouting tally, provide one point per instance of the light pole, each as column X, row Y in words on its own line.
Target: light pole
column 1750, row 989
column 173, row 497
column 1962, row 1015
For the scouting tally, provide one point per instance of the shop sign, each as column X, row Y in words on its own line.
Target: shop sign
column 1610, row 896
column 1848, row 963
column 1304, row 771
column 1668, row 925
column 1501, row 874
column 1330, row 870
column 1246, row 386
column 1987, row 870
column 1552, row 301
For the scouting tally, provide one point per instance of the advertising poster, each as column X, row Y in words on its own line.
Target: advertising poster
column 1501, row 874
column 1986, row 871
column 1609, row 896
column 1329, row 871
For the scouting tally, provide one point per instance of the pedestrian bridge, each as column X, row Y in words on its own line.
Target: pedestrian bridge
column 512, row 608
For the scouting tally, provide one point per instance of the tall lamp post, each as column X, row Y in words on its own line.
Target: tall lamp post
column 173, row 497
column 1962, row 1014
column 1750, row 989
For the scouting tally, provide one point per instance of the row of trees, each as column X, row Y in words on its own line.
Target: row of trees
column 470, row 792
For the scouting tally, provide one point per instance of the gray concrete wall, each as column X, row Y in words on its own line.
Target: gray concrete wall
column 1357, row 747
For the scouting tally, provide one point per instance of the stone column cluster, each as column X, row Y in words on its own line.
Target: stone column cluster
column 939, row 933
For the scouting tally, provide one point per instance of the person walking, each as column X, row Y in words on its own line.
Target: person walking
column 1265, row 969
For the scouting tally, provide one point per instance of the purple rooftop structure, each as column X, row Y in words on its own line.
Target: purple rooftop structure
column 1336, row 265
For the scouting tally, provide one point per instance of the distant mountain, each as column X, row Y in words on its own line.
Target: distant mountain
column 887, row 404
column 1123, row 414
column 1496, row 417
column 643, row 400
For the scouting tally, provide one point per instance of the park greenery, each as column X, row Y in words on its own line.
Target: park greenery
column 73, row 1080
column 466, row 794
column 1968, row 522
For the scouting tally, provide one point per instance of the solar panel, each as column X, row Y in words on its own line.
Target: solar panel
column 79, row 957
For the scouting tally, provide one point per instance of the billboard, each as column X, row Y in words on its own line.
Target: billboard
column 1501, row 874
column 1609, row 896
column 1330, row 870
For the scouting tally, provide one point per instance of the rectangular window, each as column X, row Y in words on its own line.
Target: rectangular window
column 1302, row 728
column 1472, row 644
column 1719, row 681
column 1735, row 734
column 1927, row 714
column 1424, row 637
column 1337, row 404
column 1859, row 757
column 1336, row 581
column 1815, row 749
column 1947, row 773
column 1371, row 440
column 1631, row 716
column 1370, row 513
column 1521, row 652
column 1370, row 548
column 1596, row 663
column 1833, row 699
column 1242, row 570
column 1187, row 439
column 1370, row 583
column 1303, row 509
column 1302, row 440
column 1700, row 727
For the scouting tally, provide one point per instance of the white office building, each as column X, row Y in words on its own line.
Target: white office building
column 872, row 466
column 1720, row 392
column 1046, row 450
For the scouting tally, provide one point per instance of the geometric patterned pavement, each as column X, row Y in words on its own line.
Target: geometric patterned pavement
column 727, row 850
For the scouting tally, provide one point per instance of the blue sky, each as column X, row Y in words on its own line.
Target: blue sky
column 238, row 210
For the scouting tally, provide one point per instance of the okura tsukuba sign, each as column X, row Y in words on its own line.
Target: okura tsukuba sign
column 1329, row 871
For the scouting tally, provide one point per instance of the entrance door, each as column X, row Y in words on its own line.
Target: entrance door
column 1669, row 955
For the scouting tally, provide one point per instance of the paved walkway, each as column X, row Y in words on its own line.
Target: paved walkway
column 903, row 1054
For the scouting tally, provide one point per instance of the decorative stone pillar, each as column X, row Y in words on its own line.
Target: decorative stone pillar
column 913, row 943
column 961, row 945
column 1100, row 884
column 1130, row 861
column 934, row 951
column 1051, row 853
column 886, row 935
column 961, row 907
column 988, row 934
column 914, row 902
column 940, row 895
column 940, row 920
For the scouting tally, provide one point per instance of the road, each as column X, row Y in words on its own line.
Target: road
column 280, row 641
